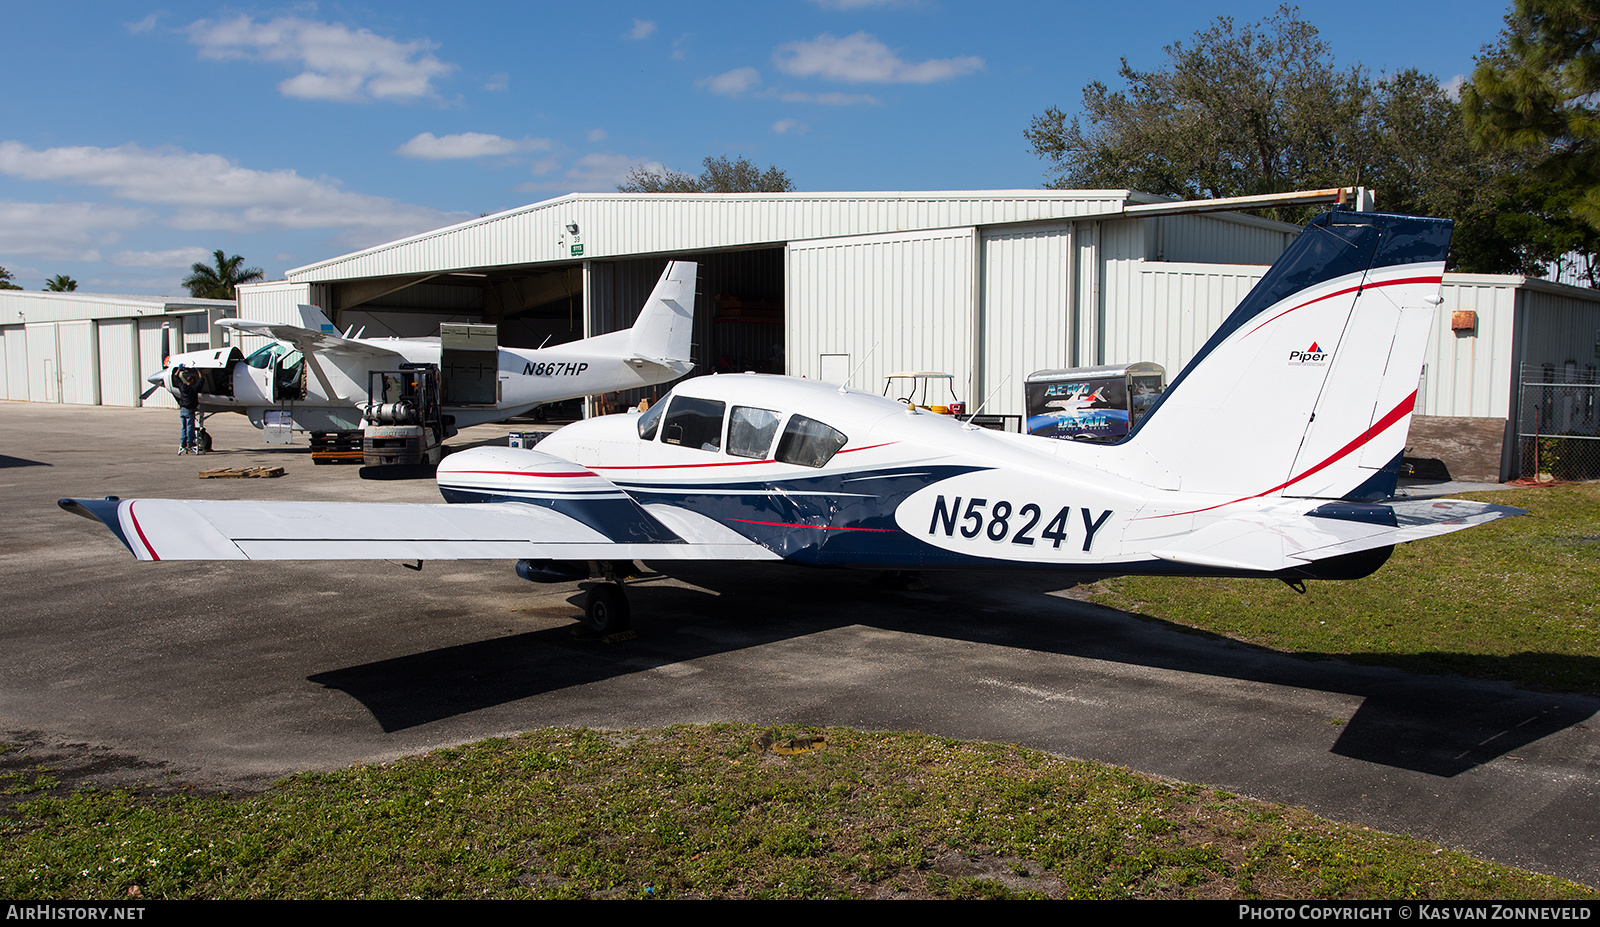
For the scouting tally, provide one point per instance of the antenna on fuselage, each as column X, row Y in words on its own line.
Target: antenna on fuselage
column 853, row 373
column 968, row 423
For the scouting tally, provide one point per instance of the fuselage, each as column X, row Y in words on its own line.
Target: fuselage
column 326, row 393
column 826, row 476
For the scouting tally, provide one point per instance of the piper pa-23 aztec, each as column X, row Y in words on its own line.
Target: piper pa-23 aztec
column 749, row 467
column 513, row 381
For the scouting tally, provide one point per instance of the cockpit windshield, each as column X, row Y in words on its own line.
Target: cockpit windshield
column 650, row 419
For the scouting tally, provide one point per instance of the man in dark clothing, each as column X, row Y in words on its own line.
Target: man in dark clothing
column 186, row 384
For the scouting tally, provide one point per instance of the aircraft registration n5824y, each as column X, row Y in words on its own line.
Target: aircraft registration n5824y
column 1273, row 454
column 319, row 378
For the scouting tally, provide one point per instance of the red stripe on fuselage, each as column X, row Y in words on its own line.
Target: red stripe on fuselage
column 785, row 524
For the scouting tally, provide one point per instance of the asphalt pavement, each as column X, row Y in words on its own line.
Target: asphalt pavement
column 229, row 675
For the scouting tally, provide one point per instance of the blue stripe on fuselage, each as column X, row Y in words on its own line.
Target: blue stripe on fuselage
column 832, row 519
column 619, row 519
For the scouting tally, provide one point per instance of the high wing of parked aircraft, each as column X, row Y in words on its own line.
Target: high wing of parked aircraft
column 318, row 377
column 1322, row 359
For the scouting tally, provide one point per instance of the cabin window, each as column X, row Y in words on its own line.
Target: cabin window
column 750, row 432
column 650, row 419
column 694, row 423
column 808, row 442
column 262, row 357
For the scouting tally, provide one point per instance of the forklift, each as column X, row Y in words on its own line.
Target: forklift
column 403, row 420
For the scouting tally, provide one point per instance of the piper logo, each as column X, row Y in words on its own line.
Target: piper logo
column 1313, row 355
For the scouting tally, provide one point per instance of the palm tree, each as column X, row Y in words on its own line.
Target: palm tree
column 219, row 282
column 60, row 283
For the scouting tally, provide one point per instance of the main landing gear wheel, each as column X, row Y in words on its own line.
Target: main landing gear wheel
column 605, row 609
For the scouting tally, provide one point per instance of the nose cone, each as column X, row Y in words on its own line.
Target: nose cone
column 157, row 378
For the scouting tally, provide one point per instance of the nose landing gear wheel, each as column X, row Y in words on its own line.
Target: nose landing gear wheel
column 605, row 609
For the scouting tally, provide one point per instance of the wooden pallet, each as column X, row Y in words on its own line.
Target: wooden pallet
column 236, row 473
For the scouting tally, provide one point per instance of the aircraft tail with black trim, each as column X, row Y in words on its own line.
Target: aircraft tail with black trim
column 1307, row 389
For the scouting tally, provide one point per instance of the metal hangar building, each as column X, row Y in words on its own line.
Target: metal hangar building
column 986, row 285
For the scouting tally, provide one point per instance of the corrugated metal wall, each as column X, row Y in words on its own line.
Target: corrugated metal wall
column 1469, row 374
column 120, row 383
column 1213, row 239
column 150, row 358
column 1027, row 311
column 612, row 225
column 908, row 300
column 1561, row 327
column 16, row 383
column 277, row 302
column 1164, row 312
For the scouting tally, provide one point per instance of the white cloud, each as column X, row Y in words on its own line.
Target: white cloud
column 498, row 81
column 1452, row 87
column 642, row 28
column 785, row 126
column 143, row 25
column 177, row 257
column 207, row 191
column 335, row 61
column 732, row 83
column 65, row 231
column 597, row 135
column 861, row 58
column 467, row 145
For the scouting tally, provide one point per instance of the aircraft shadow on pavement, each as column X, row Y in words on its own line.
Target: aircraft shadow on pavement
column 6, row 462
column 1438, row 725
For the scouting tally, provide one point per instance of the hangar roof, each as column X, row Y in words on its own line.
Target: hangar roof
column 617, row 224
column 41, row 306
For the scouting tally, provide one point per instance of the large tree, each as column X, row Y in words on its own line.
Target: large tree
column 1535, row 97
column 60, row 283
column 1262, row 107
column 220, row 281
column 719, row 176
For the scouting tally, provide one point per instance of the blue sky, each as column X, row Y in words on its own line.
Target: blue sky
column 135, row 140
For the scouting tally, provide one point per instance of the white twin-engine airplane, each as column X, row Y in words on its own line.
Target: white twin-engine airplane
column 504, row 384
column 1263, row 458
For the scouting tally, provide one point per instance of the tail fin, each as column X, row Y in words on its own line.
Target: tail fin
column 666, row 323
column 1307, row 389
column 313, row 318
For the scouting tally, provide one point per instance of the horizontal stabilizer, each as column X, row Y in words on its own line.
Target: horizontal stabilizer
column 1282, row 538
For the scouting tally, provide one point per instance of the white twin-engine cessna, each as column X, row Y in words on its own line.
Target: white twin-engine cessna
column 1324, row 353
column 510, row 382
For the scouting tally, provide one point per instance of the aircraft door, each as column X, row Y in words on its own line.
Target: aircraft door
column 289, row 377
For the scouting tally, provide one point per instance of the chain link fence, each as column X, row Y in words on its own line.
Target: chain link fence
column 1559, row 433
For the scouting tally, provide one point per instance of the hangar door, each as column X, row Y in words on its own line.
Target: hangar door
column 875, row 304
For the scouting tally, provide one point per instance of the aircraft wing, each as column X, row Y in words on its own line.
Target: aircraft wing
column 1283, row 537
column 311, row 341
column 173, row 529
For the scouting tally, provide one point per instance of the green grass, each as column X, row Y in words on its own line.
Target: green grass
column 1517, row 600
column 696, row 812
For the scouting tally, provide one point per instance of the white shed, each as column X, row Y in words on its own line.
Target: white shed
column 97, row 349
